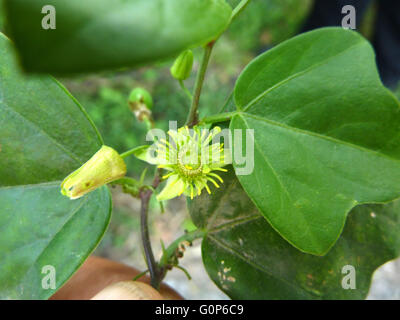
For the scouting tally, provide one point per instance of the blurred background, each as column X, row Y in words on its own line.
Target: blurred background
column 262, row 25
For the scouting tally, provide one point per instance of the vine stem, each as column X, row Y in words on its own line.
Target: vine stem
column 187, row 237
column 239, row 8
column 193, row 116
column 187, row 92
column 156, row 273
column 130, row 152
column 193, row 113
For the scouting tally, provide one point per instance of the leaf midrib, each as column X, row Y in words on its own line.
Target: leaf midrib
column 316, row 135
column 316, row 239
column 233, row 223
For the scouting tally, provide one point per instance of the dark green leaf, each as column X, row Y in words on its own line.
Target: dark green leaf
column 247, row 259
column 326, row 135
column 39, row 227
column 92, row 35
column 41, row 126
column 44, row 135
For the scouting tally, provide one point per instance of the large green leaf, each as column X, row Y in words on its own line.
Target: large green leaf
column 326, row 135
column 44, row 135
column 40, row 227
column 92, row 35
column 247, row 259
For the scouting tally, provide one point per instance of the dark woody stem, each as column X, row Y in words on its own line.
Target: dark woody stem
column 156, row 273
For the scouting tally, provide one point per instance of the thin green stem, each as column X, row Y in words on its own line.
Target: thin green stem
column 185, row 272
column 239, row 8
column 140, row 275
column 130, row 152
column 221, row 117
column 193, row 116
column 129, row 186
column 126, row 180
column 193, row 113
column 187, row 92
column 149, row 123
column 187, row 237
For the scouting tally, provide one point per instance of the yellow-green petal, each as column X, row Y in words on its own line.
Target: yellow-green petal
column 174, row 188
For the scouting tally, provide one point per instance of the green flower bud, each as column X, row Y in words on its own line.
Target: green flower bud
column 105, row 166
column 140, row 102
column 140, row 96
column 182, row 66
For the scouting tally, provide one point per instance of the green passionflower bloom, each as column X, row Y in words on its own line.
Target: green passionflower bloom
column 105, row 166
column 191, row 159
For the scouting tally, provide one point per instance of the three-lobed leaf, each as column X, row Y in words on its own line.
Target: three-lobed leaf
column 44, row 135
column 326, row 135
column 93, row 35
column 248, row 259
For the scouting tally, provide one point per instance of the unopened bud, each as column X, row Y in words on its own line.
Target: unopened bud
column 105, row 166
column 182, row 66
column 140, row 102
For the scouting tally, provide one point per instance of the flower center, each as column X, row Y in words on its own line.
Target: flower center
column 189, row 161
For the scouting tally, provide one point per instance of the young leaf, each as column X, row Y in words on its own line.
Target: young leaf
column 93, row 35
column 44, row 135
column 248, row 259
column 325, row 135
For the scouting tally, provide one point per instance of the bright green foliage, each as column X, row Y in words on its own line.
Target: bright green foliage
column 45, row 135
column 41, row 125
column 40, row 227
column 325, row 144
column 93, row 35
column 248, row 259
column 325, row 135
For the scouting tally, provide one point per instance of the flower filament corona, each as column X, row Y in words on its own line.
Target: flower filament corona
column 192, row 161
